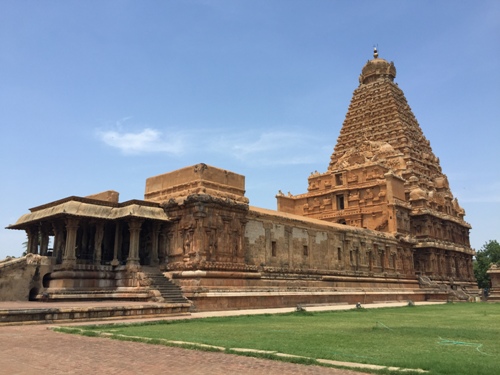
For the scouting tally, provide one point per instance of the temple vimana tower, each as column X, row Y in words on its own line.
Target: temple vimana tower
column 380, row 224
column 384, row 176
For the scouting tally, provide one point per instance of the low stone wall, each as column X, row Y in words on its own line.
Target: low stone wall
column 21, row 278
column 72, row 314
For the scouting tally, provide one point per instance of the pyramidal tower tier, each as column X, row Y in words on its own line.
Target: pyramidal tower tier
column 383, row 174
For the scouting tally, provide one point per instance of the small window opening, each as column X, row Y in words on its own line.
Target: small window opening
column 273, row 248
column 339, row 253
column 306, row 250
column 340, row 202
column 338, row 179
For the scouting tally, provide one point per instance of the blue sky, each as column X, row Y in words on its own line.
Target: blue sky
column 98, row 95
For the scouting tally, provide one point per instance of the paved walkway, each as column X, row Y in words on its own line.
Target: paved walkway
column 35, row 349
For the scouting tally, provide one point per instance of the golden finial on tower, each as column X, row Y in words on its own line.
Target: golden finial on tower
column 375, row 52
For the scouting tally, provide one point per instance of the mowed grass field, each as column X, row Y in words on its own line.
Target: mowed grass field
column 462, row 338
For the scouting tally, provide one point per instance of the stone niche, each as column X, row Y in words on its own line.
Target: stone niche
column 198, row 179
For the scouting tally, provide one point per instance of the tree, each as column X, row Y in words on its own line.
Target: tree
column 485, row 257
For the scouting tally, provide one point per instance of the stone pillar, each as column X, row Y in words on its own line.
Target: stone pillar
column 69, row 257
column 411, row 261
column 401, row 261
column 175, row 252
column 44, row 242
column 375, row 258
column 357, row 256
column 346, row 260
column 58, row 241
column 241, row 239
column 311, row 240
column 268, row 239
column 385, row 258
column 163, row 244
column 187, row 244
column 470, row 270
column 84, row 242
column 118, row 243
column 171, row 241
column 32, row 247
column 134, row 227
column 225, row 244
column 289, row 245
column 453, row 264
column 362, row 255
column 199, row 246
column 155, row 232
column 99, row 235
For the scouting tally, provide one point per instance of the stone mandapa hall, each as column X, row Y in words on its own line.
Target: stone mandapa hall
column 380, row 224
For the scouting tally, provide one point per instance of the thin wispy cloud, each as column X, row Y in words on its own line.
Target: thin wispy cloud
column 268, row 141
column 272, row 147
column 145, row 141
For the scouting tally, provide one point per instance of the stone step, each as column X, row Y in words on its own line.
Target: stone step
column 168, row 290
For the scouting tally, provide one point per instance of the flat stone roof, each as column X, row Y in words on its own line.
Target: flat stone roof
column 92, row 208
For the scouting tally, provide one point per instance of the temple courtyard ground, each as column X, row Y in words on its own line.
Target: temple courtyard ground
column 36, row 349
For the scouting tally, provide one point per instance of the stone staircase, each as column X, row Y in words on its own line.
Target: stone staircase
column 458, row 294
column 168, row 290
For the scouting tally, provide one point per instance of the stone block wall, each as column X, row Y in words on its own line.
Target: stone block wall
column 281, row 242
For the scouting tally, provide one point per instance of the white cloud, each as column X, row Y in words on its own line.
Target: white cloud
column 146, row 141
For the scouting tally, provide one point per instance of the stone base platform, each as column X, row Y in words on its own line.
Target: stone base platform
column 494, row 273
column 235, row 300
column 224, row 290
column 117, row 294
column 12, row 313
column 494, row 295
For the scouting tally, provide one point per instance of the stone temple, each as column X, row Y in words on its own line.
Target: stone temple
column 380, row 224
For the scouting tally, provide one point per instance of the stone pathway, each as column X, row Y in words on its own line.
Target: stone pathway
column 34, row 349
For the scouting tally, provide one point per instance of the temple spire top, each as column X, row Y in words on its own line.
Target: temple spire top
column 377, row 69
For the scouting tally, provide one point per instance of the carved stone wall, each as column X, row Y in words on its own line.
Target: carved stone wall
column 282, row 244
column 205, row 233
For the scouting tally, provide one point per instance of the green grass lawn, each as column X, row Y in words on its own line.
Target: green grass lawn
column 453, row 339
